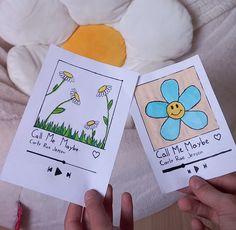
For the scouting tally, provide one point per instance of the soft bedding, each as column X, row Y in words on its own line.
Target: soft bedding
column 214, row 41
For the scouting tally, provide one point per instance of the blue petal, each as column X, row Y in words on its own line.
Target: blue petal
column 195, row 119
column 170, row 129
column 156, row 109
column 170, row 90
column 190, row 97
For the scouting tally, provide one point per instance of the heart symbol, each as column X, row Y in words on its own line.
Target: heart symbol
column 96, row 154
column 217, row 136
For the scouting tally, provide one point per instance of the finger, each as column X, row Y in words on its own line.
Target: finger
column 126, row 219
column 98, row 218
column 73, row 217
column 193, row 206
column 108, row 202
column 207, row 194
column 196, row 224
column 186, row 190
column 226, row 183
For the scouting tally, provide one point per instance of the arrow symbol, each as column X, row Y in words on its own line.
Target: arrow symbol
column 196, row 169
column 68, row 175
column 58, row 172
column 50, row 169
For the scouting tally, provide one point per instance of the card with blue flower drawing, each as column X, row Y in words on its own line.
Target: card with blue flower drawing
column 181, row 125
column 70, row 132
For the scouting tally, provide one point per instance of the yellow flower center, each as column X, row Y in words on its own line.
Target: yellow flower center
column 67, row 74
column 90, row 123
column 76, row 96
column 98, row 42
column 102, row 89
column 175, row 110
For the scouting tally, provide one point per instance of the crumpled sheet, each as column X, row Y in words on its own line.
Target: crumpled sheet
column 215, row 43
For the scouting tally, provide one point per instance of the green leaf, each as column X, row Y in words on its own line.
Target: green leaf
column 110, row 104
column 82, row 137
column 58, row 110
column 76, row 136
column 89, row 140
column 105, row 120
column 55, row 87
column 68, row 132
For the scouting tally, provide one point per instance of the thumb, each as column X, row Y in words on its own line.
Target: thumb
column 98, row 218
column 206, row 193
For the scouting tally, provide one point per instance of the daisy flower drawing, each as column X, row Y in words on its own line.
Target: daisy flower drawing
column 92, row 125
column 66, row 77
column 177, row 109
column 103, row 91
column 74, row 97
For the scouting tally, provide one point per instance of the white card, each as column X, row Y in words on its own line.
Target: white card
column 181, row 125
column 69, row 135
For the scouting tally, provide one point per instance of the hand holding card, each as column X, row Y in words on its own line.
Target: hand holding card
column 181, row 125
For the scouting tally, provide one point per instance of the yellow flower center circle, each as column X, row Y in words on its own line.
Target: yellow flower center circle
column 102, row 89
column 175, row 110
column 67, row 74
column 90, row 123
column 76, row 96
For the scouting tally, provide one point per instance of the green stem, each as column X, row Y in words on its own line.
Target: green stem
column 56, row 87
column 107, row 126
column 56, row 108
column 93, row 134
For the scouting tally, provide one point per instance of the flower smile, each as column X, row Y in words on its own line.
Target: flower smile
column 176, row 113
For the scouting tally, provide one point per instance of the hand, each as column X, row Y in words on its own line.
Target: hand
column 214, row 200
column 98, row 213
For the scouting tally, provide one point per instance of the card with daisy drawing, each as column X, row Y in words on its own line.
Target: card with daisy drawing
column 71, row 128
column 181, row 125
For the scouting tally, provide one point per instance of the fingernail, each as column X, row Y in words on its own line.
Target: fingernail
column 196, row 182
column 126, row 197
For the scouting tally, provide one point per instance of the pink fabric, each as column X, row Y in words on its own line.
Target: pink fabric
column 12, row 104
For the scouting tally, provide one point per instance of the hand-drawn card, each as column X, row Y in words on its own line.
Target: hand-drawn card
column 70, row 132
column 181, row 125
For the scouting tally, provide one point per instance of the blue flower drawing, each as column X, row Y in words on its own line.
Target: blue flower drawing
column 176, row 109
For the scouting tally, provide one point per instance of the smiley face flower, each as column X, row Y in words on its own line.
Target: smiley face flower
column 176, row 109
column 104, row 90
column 75, row 97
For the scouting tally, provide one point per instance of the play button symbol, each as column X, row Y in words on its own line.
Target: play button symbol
column 196, row 169
column 58, row 172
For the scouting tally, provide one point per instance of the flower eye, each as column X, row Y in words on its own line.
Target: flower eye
column 177, row 106
column 172, row 107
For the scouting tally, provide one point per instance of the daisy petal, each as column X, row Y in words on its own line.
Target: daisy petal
column 170, row 90
column 170, row 129
column 190, row 97
column 195, row 119
column 156, row 109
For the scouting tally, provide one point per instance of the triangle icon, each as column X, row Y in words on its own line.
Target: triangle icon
column 196, row 169
column 58, row 172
